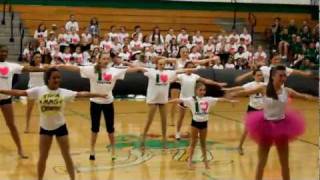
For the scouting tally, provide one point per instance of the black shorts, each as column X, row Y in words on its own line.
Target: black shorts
column 61, row 131
column 251, row 109
column 5, row 101
column 175, row 85
column 95, row 113
column 199, row 125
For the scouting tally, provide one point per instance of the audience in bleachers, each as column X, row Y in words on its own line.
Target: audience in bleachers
column 299, row 46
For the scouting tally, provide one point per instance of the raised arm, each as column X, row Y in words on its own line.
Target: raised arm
column 296, row 94
column 211, row 82
column 86, row 94
column 136, row 69
column 14, row 92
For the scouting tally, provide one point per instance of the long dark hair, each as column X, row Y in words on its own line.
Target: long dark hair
column 153, row 36
column 32, row 62
column 48, row 74
column 271, row 92
column 180, row 48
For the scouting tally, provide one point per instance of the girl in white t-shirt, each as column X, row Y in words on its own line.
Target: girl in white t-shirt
column 200, row 108
column 7, row 70
column 51, row 99
column 255, row 100
column 102, row 79
column 35, row 80
column 188, row 82
column 159, row 81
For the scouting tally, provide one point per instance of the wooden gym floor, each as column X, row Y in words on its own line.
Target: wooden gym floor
column 225, row 127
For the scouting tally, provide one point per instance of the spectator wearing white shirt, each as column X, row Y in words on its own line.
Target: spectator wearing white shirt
column 62, row 39
column 74, row 40
column 198, row 39
column 41, row 33
column 135, row 43
column 260, row 57
column 123, row 34
column 137, row 31
column 246, row 36
column 195, row 55
column 172, row 48
column 86, row 40
column 52, row 42
column 209, row 48
column 72, row 24
column 113, row 33
column 125, row 54
column 106, row 44
column 218, row 64
column 183, row 37
column 170, row 36
column 234, row 35
column 116, row 45
column 229, row 64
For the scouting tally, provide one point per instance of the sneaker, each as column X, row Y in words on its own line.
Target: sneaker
column 92, row 157
column 178, row 136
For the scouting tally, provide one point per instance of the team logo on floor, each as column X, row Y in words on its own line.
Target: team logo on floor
column 128, row 154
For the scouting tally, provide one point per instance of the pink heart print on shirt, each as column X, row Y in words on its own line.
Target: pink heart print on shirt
column 4, row 71
column 204, row 106
column 107, row 77
column 164, row 78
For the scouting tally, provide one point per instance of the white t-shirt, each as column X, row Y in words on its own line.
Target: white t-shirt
column 7, row 70
column 266, row 72
column 255, row 100
column 51, row 105
column 36, row 79
column 229, row 66
column 188, row 83
column 200, row 107
column 183, row 38
column 218, row 66
column 72, row 25
column 158, row 85
column 169, row 37
column 102, row 83
column 275, row 109
column 106, row 45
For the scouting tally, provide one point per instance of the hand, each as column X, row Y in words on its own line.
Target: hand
column 222, row 84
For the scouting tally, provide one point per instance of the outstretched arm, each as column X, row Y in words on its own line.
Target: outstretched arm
column 86, row 94
column 236, row 88
column 175, row 101
column 243, row 77
column 69, row 68
column 14, row 92
column 303, row 73
column 246, row 92
column 28, row 68
column 211, row 82
column 296, row 94
column 136, row 69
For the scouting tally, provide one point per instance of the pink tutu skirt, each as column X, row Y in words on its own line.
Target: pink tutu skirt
column 267, row 132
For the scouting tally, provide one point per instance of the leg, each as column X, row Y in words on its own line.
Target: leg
column 283, row 151
column 163, row 117
column 182, row 112
column 151, row 113
column 95, row 113
column 193, row 143
column 263, row 151
column 63, row 142
column 203, row 137
column 44, row 147
column 243, row 138
column 7, row 112
column 285, row 46
column 174, row 93
column 280, row 48
column 108, row 112
column 30, row 105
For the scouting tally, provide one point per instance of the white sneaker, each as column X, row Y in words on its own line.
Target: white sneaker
column 178, row 136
